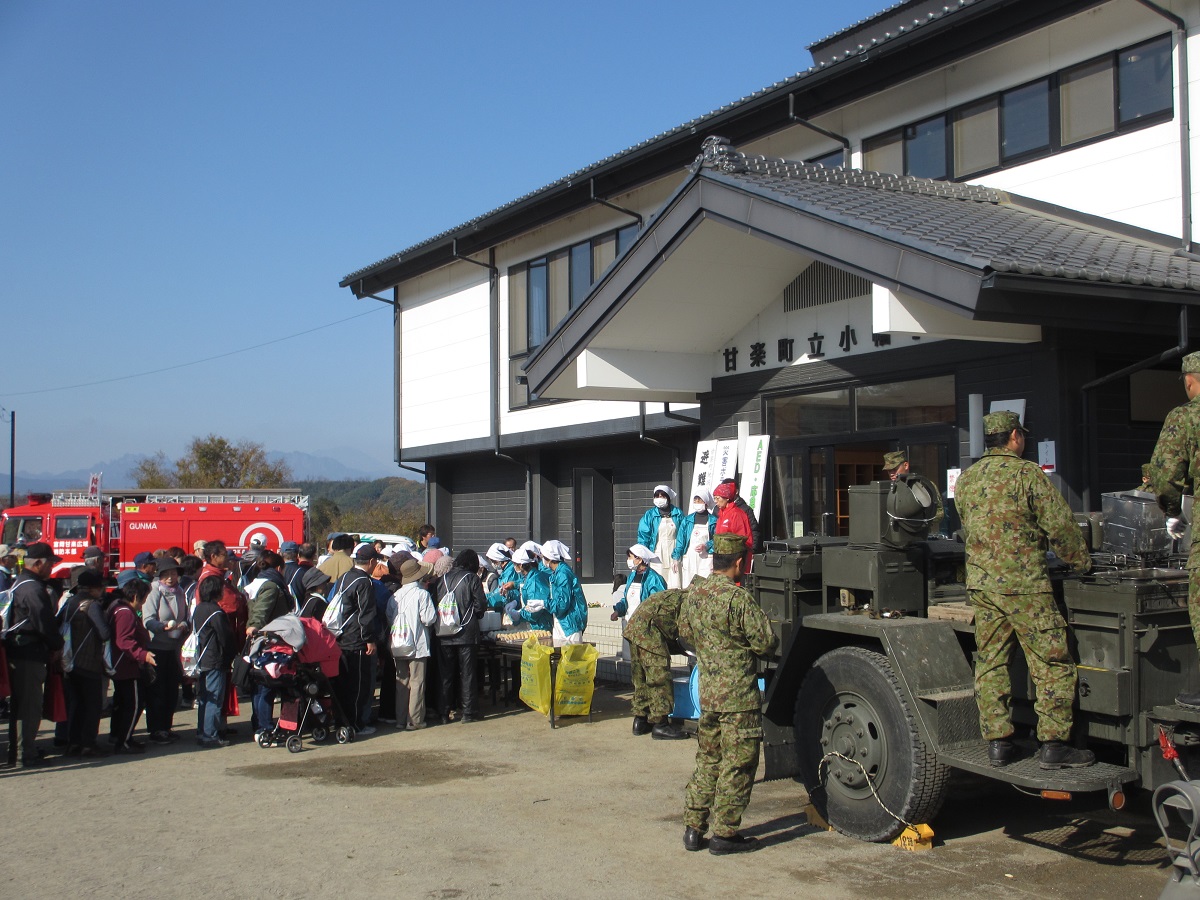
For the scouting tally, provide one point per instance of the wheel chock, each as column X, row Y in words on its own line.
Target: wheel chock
column 915, row 837
column 815, row 819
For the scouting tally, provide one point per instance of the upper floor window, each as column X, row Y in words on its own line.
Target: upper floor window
column 1105, row 96
column 542, row 291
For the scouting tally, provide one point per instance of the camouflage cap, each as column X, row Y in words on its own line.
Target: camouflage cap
column 893, row 460
column 729, row 544
column 1002, row 422
column 1191, row 364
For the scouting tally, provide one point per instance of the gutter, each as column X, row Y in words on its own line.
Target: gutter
column 674, row 451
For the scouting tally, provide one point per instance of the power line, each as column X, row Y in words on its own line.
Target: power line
column 195, row 362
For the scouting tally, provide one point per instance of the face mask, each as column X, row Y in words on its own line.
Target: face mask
column 699, row 507
column 660, row 502
column 632, row 563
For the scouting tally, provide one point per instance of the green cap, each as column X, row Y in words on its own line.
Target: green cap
column 1191, row 364
column 1002, row 422
column 893, row 460
column 728, row 544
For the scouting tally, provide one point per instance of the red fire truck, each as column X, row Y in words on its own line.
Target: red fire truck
column 126, row 523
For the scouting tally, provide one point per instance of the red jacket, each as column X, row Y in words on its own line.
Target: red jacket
column 232, row 602
column 733, row 520
column 130, row 640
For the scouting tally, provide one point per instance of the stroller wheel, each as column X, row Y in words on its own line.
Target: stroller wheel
column 294, row 744
column 320, row 733
column 263, row 738
column 345, row 734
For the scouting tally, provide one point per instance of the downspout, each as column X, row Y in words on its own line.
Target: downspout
column 678, row 417
column 603, row 202
column 1167, row 355
column 494, row 383
column 844, row 141
column 397, row 387
column 675, row 473
column 1185, row 143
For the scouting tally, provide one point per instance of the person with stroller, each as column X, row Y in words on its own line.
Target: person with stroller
column 215, row 651
column 410, row 612
column 270, row 601
column 356, row 638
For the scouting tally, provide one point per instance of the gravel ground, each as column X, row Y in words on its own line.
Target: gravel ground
column 508, row 808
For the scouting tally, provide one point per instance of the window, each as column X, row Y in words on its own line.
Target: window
column 884, row 153
column 925, row 148
column 977, row 137
column 830, row 160
column 1112, row 94
column 71, row 528
column 27, row 530
column 1025, row 120
column 894, row 404
column 1144, row 80
column 1085, row 101
column 542, row 291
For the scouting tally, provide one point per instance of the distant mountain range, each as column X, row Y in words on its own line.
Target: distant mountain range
column 340, row 464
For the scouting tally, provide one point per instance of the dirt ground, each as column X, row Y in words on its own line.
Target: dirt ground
column 508, row 808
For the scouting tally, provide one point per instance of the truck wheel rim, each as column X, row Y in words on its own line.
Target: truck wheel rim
column 851, row 729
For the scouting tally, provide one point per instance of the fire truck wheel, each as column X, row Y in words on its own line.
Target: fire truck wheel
column 855, row 731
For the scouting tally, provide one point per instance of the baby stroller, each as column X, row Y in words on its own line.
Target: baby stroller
column 297, row 657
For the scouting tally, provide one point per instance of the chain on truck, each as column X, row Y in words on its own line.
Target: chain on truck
column 125, row 523
column 871, row 700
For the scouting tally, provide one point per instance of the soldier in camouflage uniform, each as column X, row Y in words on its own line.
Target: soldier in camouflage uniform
column 896, row 464
column 1174, row 469
column 729, row 631
column 1011, row 514
column 653, row 624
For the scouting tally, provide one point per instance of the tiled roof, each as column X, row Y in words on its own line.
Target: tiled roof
column 981, row 227
column 693, row 126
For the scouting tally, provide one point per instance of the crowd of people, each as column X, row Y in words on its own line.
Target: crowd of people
column 401, row 613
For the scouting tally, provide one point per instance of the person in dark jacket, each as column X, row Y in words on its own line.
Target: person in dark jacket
column 215, row 650
column 458, row 650
column 84, row 610
column 130, row 653
column 316, row 593
column 271, row 601
column 32, row 644
column 356, row 681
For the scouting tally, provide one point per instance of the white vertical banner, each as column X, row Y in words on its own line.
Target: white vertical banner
column 94, row 486
column 714, row 460
column 754, row 472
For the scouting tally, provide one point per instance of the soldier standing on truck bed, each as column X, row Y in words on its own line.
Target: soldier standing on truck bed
column 729, row 631
column 1011, row 514
column 1174, row 468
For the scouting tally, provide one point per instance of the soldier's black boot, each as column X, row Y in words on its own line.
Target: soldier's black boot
column 641, row 726
column 1190, row 699
column 1001, row 752
column 693, row 839
column 665, row 731
column 735, row 843
column 1057, row 755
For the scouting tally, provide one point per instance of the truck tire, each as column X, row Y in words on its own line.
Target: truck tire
column 851, row 703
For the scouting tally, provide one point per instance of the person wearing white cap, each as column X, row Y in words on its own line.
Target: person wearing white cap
column 691, row 554
column 534, row 587
column 507, row 580
column 641, row 583
column 657, row 530
column 567, row 603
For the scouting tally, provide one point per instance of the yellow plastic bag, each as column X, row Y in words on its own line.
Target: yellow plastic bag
column 576, row 680
column 535, row 675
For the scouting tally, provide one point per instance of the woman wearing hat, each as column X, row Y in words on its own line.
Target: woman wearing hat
column 691, row 554
column 166, row 618
column 533, row 583
column 410, row 612
column 658, row 529
column 641, row 583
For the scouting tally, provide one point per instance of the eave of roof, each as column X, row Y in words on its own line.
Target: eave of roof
column 760, row 113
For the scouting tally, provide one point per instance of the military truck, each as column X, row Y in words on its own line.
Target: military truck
column 871, row 699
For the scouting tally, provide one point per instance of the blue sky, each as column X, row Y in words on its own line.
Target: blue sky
column 184, row 180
